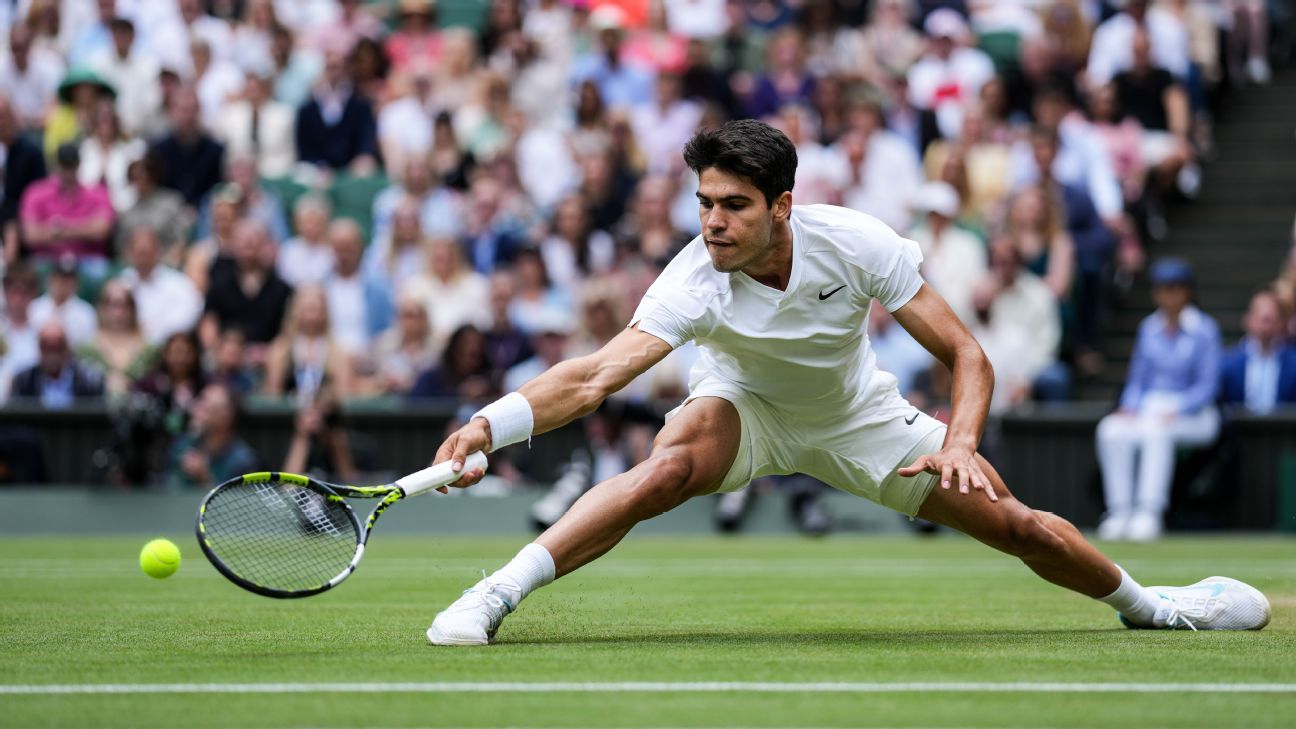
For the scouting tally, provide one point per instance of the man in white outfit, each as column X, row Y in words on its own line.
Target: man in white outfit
column 777, row 300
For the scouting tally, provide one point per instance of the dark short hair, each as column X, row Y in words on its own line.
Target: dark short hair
column 747, row 148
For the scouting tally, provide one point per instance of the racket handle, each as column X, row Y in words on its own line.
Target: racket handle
column 439, row 475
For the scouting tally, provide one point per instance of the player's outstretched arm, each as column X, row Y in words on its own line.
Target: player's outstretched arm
column 565, row 392
column 937, row 328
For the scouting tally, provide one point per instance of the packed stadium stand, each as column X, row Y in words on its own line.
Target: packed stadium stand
column 313, row 235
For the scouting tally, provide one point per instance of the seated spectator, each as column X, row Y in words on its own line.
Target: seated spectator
column 535, row 296
column 360, row 301
column 506, row 344
column 398, row 256
column 1112, row 50
column 1168, row 400
column 439, row 209
column 307, row 258
column 170, row 391
column 574, row 249
column 886, row 171
column 226, row 212
column 215, row 81
column 453, row 293
column 106, row 155
column 822, row 172
column 79, row 92
column 1018, row 324
column 295, row 67
column 664, row 127
column 245, row 291
column 154, row 207
column 549, row 338
column 320, row 445
column 193, row 159
column 786, row 79
column 954, row 260
column 211, row 452
column 335, row 127
column 1160, row 105
column 168, row 301
column 986, row 156
column 259, row 127
column 950, row 73
column 133, row 72
column 60, row 378
column 17, row 333
column 258, row 202
column 61, row 303
column 405, row 350
column 24, row 165
column 1034, row 224
column 61, row 217
column 1259, row 374
column 119, row 347
column 621, row 84
column 416, row 40
column 305, row 355
column 229, row 364
column 463, row 372
column 31, row 75
column 1122, row 138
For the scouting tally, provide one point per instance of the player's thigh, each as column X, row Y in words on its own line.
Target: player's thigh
column 707, row 432
column 974, row 514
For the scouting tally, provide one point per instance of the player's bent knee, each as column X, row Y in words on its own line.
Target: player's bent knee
column 666, row 482
column 1029, row 534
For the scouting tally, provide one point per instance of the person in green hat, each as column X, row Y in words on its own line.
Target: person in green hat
column 72, row 116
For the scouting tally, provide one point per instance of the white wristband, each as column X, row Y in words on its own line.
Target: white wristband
column 511, row 420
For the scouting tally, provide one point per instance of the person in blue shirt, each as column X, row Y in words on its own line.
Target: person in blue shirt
column 1259, row 374
column 1168, row 400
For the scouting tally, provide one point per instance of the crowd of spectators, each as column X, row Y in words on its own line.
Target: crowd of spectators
column 211, row 200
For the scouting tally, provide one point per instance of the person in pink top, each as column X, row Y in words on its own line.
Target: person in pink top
column 60, row 216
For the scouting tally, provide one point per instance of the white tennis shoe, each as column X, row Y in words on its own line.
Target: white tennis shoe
column 1215, row 603
column 473, row 618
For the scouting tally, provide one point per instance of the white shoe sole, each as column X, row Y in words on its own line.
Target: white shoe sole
column 435, row 637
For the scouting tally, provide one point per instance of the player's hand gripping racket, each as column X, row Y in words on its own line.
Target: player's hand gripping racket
column 284, row 535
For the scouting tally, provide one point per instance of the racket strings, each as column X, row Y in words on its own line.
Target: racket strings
column 280, row 536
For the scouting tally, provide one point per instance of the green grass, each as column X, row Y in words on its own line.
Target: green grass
column 78, row 610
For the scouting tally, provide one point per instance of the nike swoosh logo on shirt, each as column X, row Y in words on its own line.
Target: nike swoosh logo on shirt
column 823, row 296
column 910, row 420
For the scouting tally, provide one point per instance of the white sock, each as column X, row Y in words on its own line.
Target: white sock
column 1133, row 600
column 532, row 568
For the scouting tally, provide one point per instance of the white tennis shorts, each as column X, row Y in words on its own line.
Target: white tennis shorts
column 856, row 450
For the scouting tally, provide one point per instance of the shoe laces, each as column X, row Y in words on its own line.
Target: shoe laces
column 1178, row 617
column 487, row 597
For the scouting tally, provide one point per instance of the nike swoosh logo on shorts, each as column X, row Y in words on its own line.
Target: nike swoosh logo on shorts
column 910, row 420
column 823, row 296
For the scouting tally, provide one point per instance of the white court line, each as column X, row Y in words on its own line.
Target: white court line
column 647, row 687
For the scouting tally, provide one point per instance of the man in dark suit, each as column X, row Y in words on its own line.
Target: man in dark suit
column 193, row 160
column 336, row 129
column 59, row 379
column 1259, row 373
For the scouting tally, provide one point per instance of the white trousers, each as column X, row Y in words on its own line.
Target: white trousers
column 1148, row 439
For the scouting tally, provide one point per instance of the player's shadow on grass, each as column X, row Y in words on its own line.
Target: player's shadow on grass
column 939, row 639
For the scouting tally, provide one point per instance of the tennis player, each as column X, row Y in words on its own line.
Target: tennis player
column 777, row 298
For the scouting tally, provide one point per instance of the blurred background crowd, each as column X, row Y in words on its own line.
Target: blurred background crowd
column 329, row 201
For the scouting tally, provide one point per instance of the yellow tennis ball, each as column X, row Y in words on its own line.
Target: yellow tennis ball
column 160, row 558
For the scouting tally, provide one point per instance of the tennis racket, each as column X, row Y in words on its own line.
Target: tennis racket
column 284, row 535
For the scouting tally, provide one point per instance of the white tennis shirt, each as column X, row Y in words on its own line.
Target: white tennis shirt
column 804, row 349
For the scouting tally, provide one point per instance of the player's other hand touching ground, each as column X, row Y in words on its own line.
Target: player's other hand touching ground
column 472, row 437
column 953, row 460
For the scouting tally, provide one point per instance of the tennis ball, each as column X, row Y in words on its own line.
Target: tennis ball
column 160, row 558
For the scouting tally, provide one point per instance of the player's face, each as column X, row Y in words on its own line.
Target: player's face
column 737, row 224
